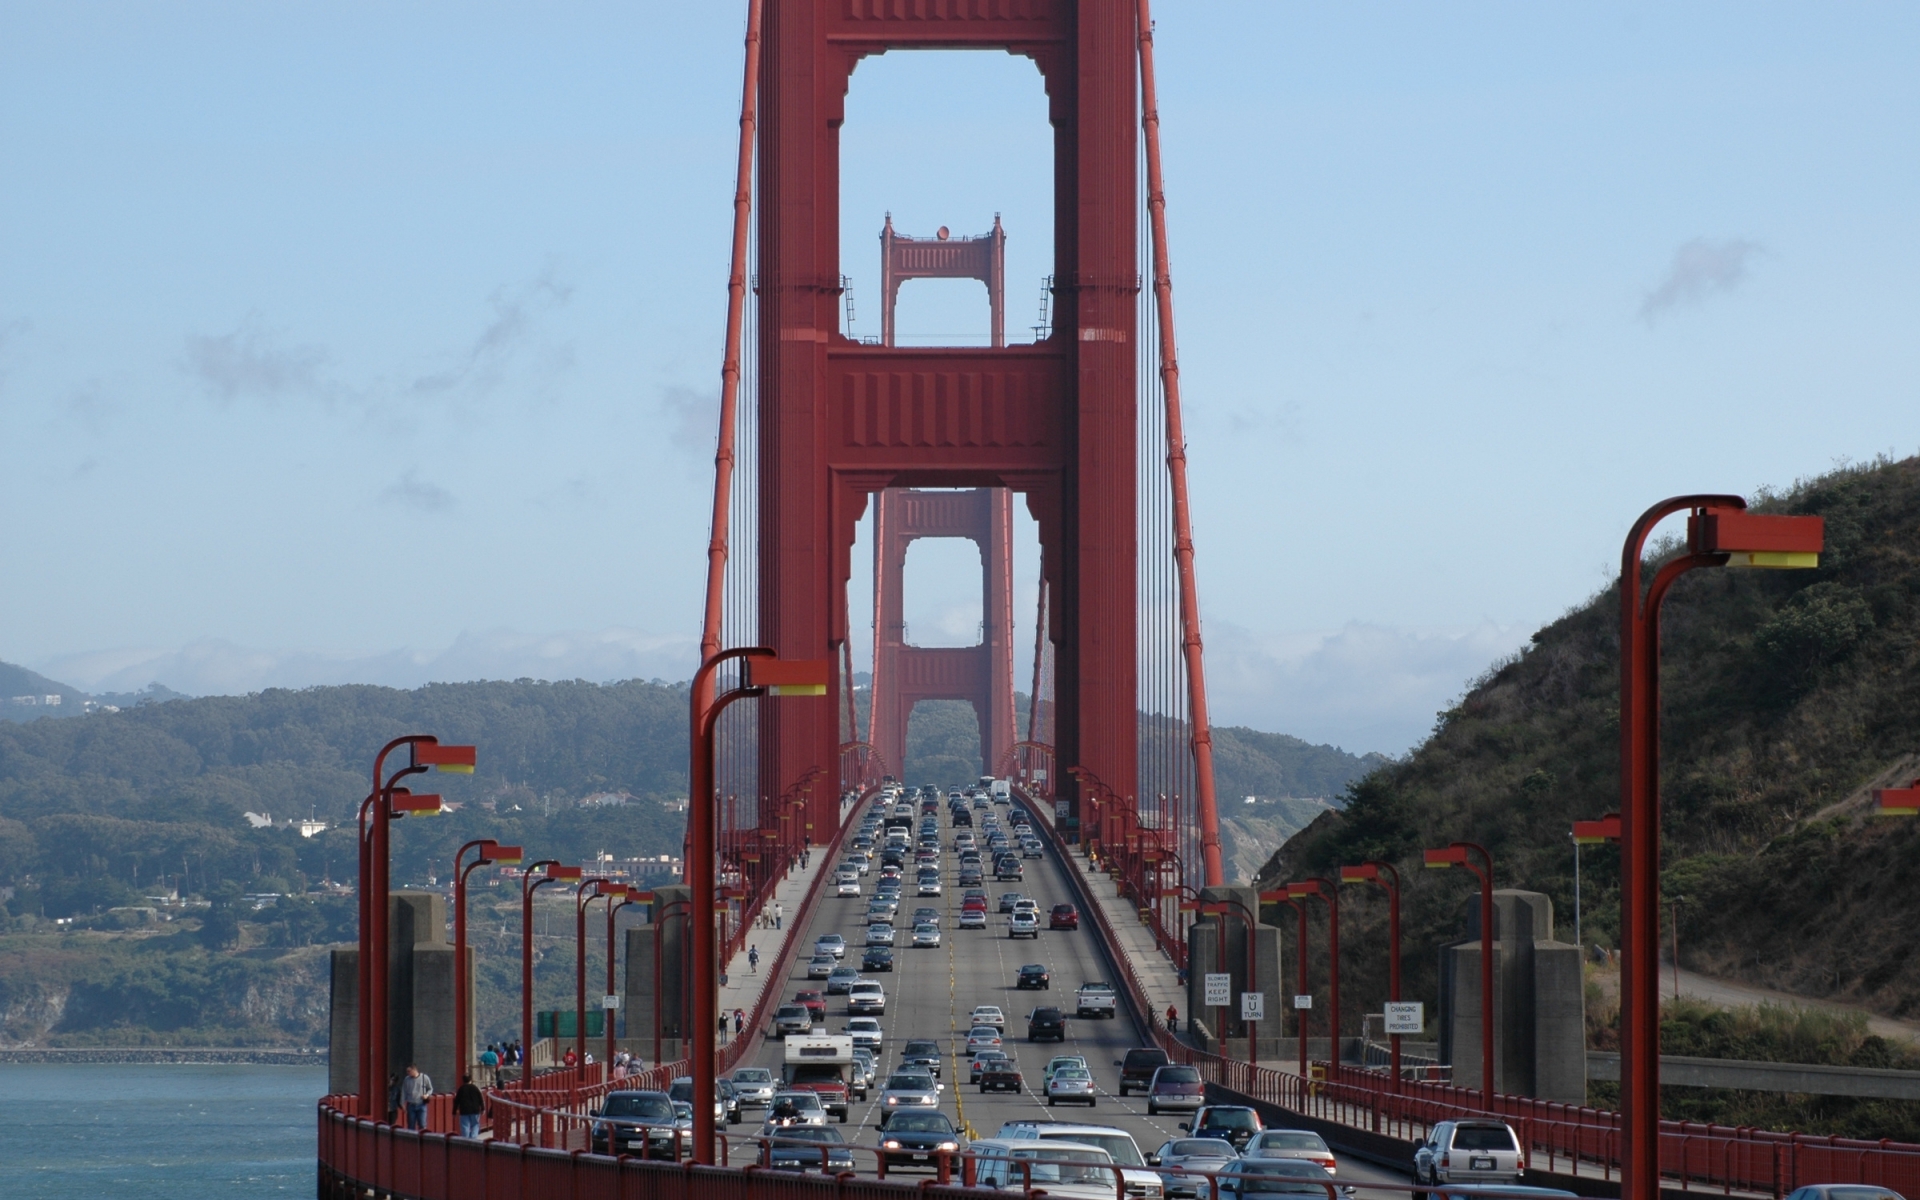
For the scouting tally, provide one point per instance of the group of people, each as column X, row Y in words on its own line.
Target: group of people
column 772, row 916
column 625, row 1064
column 495, row 1056
column 739, row 1022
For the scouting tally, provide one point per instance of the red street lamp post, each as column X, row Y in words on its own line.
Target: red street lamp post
column 1373, row 871
column 490, row 853
column 552, row 872
column 581, row 898
column 774, row 677
column 1329, row 894
column 1457, row 855
column 383, row 805
column 1231, row 907
column 1719, row 533
column 617, row 898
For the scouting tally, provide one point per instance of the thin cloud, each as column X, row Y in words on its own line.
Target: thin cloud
column 410, row 491
column 1700, row 268
column 692, row 415
column 515, row 312
column 250, row 362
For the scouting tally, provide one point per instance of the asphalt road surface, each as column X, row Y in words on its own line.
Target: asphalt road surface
column 931, row 991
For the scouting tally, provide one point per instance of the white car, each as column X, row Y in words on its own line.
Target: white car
column 929, row 885
column 865, row 1031
column 989, row 1014
column 1027, row 904
column 866, row 998
column 831, row 943
column 879, row 935
column 1023, row 924
column 849, row 886
column 926, row 936
column 973, row 918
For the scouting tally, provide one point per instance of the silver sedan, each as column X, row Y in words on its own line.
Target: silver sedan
column 926, row 935
column 1074, row 1084
column 1182, row 1159
column 908, row 1090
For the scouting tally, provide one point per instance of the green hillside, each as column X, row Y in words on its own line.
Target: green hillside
column 1788, row 694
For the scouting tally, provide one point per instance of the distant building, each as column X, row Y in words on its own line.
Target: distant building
column 310, row 827
column 258, row 820
column 606, row 800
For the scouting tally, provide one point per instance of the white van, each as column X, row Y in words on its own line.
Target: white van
column 1060, row 1168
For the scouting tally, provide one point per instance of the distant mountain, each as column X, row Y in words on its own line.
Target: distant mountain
column 29, row 696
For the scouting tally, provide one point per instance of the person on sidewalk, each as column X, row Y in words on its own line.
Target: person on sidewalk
column 739, row 1022
column 753, row 959
column 415, row 1090
column 779, row 914
column 723, row 1024
column 490, row 1065
column 469, row 1103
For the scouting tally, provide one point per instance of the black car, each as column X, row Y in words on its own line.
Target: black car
column 962, row 819
column 877, row 958
column 1034, row 975
column 638, row 1123
column 1046, row 1022
column 917, row 1139
column 921, row 1055
column 808, row 1148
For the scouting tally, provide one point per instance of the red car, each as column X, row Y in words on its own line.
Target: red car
column 1064, row 916
column 816, row 1004
column 973, row 904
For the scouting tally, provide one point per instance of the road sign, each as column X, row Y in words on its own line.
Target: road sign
column 1406, row 1016
column 1303, row 1001
column 1219, row 990
column 1253, row 1006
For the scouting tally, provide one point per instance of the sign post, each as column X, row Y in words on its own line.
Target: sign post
column 1253, row 1006
column 1406, row 1017
column 1219, row 990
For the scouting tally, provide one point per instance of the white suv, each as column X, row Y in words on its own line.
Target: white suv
column 1476, row 1151
column 1142, row 1182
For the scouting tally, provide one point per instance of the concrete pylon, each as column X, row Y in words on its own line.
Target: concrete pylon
column 1539, row 1002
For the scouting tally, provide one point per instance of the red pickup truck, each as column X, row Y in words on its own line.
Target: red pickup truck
column 825, row 1082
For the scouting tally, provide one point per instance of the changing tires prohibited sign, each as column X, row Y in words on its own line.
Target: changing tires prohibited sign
column 1406, row 1016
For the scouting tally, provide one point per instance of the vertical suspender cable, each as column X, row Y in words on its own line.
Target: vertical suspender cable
column 1199, row 729
column 730, row 367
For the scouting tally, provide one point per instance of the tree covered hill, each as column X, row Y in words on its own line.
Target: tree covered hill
column 1787, row 696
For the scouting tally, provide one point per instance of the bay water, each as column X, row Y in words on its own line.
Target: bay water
column 156, row 1130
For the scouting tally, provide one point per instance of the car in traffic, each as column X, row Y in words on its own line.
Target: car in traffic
column 636, row 1122
column 1030, row 848
column 1008, row 900
column 867, row 999
column 806, row 1148
column 877, row 958
column 1046, row 1023
column 907, row 1089
column 971, row 876
column 1141, row 1182
column 1008, row 867
column 989, row 1014
column 1095, row 998
column 922, row 1054
column 865, row 1031
column 847, row 885
column 830, row 943
column 1063, row 916
column 1235, row 1124
column 1073, row 1084
column 1034, row 976
column 1468, row 1151
column 754, row 1086
column 820, row 966
column 917, row 1137
column 926, row 936
column 792, row 1020
column 1175, row 1089
column 1000, row 1075
column 816, row 1005
column 1023, row 924
column 879, row 935
column 840, row 979
column 1137, row 1068
column 924, row 916
column 972, row 918
column 1291, row 1143
column 983, row 1037
column 1062, row 1060
column 1275, row 1176
column 1183, row 1162
column 807, row 1106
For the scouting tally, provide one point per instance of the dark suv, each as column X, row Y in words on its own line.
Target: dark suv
column 1046, row 1022
column 637, row 1122
column 1136, row 1070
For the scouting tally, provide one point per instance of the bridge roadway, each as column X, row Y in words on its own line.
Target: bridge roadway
column 931, row 991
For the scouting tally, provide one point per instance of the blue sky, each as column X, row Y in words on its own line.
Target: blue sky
column 354, row 341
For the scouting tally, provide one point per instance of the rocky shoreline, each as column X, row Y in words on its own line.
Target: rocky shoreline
column 196, row 1055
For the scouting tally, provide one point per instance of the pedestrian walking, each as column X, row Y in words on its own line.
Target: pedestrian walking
column 723, row 1024
column 468, row 1105
column 415, row 1090
column 779, row 914
column 490, row 1065
column 753, row 959
column 739, row 1022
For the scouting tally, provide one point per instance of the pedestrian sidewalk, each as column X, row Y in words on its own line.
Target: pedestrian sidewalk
column 1152, row 966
